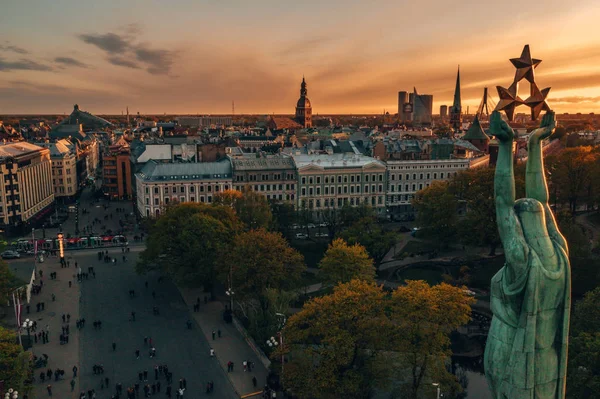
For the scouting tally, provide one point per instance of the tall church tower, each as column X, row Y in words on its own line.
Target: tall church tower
column 303, row 107
column 456, row 108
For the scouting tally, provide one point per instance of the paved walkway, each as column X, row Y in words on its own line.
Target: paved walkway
column 67, row 302
column 230, row 347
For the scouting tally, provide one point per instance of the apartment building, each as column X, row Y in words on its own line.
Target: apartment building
column 63, row 157
column 331, row 180
column 274, row 176
column 159, row 184
column 28, row 192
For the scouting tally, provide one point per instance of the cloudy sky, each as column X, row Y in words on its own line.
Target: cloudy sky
column 196, row 56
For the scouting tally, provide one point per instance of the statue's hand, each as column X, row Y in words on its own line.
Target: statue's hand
column 547, row 127
column 500, row 129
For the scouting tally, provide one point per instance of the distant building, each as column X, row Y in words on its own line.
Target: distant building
column 159, row 184
column 28, row 194
column 87, row 120
column 405, row 107
column 205, row 121
column 63, row 155
column 279, row 123
column 274, row 176
column 415, row 108
column 116, row 171
column 303, row 107
column 456, row 108
column 332, row 180
column 476, row 136
column 443, row 111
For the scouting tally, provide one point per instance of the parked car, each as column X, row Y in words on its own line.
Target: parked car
column 311, row 226
column 324, row 224
column 301, row 236
column 295, row 226
column 322, row 235
column 10, row 255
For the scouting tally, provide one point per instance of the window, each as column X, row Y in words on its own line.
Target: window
column 421, row 176
column 358, row 178
column 155, row 190
column 155, row 201
column 339, row 179
column 303, row 191
column 166, row 200
column 318, row 179
column 414, row 176
column 191, row 189
column 442, row 175
column 209, row 189
column 181, row 199
column 345, row 189
column 428, row 175
column 310, row 180
column 318, row 190
column 339, row 189
column 209, row 198
column 326, row 181
column 399, row 177
column 304, row 180
column 381, row 177
column 366, row 189
column 358, row 189
column 182, row 190
column 351, row 189
column 166, row 190
column 318, row 203
column 373, row 177
column 393, row 177
column 381, row 188
column 310, row 191
column 435, row 175
column 202, row 190
column 147, row 201
column 414, row 187
column 146, row 189
column 420, row 186
column 174, row 189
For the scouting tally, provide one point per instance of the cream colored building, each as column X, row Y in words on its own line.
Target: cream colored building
column 331, row 180
column 64, row 167
column 159, row 184
column 27, row 179
column 273, row 176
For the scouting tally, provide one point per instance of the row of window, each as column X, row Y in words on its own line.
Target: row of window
column 182, row 189
column 340, row 179
column 59, row 171
column 421, row 176
column 265, row 177
column 208, row 199
column 61, row 181
column 434, row 166
column 331, row 202
column 406, row 187
column 330, row 190
column 269, row 187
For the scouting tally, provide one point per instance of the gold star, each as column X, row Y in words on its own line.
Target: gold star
column 537, row 101
column 525, row 65
column 509, row 99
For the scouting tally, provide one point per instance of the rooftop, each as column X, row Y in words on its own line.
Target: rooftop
column 154, row 171
column 275, row 162
column 332, row 161
column 12, row 150
column 57, row 149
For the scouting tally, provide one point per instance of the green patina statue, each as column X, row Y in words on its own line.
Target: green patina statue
column 526, row 351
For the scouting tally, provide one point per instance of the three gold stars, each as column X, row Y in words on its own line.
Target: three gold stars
column 509, row 98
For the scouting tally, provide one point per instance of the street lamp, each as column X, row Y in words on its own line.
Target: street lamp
column 437, row 385
column 11, row 394
column 61, row 249
column 230, row 294
column 28, row 324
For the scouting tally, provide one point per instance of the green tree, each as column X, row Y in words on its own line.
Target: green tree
column 436, row 209
column 369, row 233
column 351, row 214
column 185, row 240
column 7, row 280
column 251, row 208
column 343, row 262
column 260, row 260
column 284, row 216
column 424, row 316
column 334, row 344
column 15, row 364
column 583, row 379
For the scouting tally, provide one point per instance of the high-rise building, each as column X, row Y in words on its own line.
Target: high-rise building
column 303, row 107
column 443, row 111
column 456, row 108
column 404, row 107
column 422, row 108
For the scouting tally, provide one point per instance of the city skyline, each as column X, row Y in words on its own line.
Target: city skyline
column 198, row 58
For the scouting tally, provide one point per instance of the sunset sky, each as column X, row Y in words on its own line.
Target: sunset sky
column 196, row 56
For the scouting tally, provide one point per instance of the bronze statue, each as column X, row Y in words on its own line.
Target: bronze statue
column 526, row 351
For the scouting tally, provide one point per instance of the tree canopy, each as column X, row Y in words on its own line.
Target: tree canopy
column 185, row 240
column 370, row 234
column 251, row 208
column 343, row 262
column 436, row 209
column 14, row 362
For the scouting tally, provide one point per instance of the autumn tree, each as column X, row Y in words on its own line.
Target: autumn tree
column 251, row 208
column 343, row 262
column 583, row 379
column 259, row 260
column 335, row 344
column 424, row 316
column 371, row 235
column 185, row 240
column 7, row 280
column 15, row 364
column 572, row 174
column 436, row 209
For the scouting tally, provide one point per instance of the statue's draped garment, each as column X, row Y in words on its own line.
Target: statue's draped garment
column 526, row 350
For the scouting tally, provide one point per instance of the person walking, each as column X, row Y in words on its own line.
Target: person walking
column 213, row 334
column 72, row 385
column 137, row 353
column 145, row 375
column 74, row 371
column 49, row 389
column 114, row 346
column 254, row 381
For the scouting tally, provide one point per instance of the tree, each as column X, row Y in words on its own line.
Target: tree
column 424, row 316
column 343, row 262
column 15, row 364
column 334, row 344
column 443, row 131
column 6, row 281
column 583, row 379
column 284, row 216
column 572, row 173
column 351, row 214
column 260, row 260
column 436, row 209
column 251, row 208
column 185, row 240
column 369, row 233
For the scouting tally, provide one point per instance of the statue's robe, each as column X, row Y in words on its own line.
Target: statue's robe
column 526, row 350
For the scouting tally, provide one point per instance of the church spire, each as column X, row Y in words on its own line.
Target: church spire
column 303, row 91
column 456, row 109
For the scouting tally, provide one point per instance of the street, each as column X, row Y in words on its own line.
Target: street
column 106, row 298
